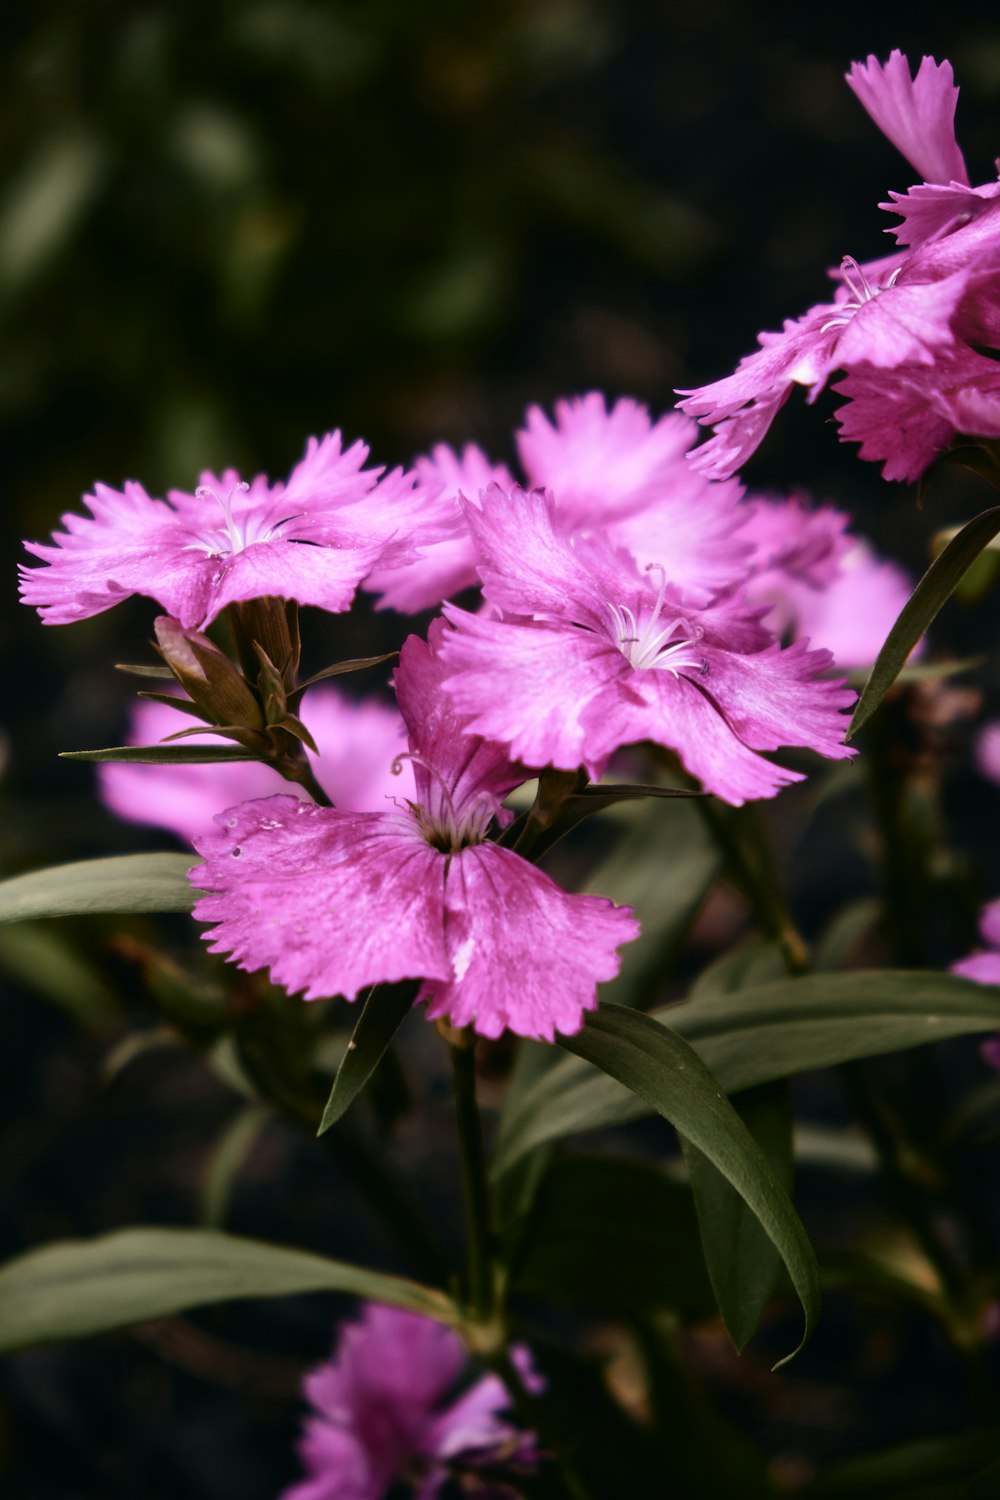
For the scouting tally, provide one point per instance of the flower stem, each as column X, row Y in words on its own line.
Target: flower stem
column 480, row 1286
column 531, row 1415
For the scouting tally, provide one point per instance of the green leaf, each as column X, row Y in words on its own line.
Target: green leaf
column 654, row 1063
column 226, row 1161
column 914, row 1469
column 79, row 1287
column 664, row 893
column 743, row 1265
column 934, row 589
column 759, row 1034
column 140, row 669
column 384, row 1011
column 357, row 664
column 611, row 1233
column 125, row 883
column 41, row 959
column 165, row 755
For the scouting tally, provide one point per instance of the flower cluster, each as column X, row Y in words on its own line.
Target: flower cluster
column 625, row 599
column 915, row 332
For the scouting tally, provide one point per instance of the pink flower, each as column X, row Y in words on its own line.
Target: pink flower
column 333, row 902
column 312, row 539
column 589, row 654
column 916, row 114
column 987, row 751
column 905, row 423
column 824, row 586
column 448, row 566
column 620, row 472
column 875, row 325
column 358, row 743
column 984, row 966
column 386, row 1417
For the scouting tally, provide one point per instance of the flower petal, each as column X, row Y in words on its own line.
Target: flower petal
column 331, row 902
column 526, row 956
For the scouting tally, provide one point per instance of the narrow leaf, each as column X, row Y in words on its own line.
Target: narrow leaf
column 126, row 883
column 384, row 1011
column 358, row 664
column 79, row 1287
column 759, row 1034
column 140, row 669
column 165, row 755
column 934, row 589
column 658, row 1066
column 743, row 1264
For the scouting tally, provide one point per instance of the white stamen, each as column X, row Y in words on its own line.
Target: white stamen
column 667, row 645
column 238, row 534
column 862, row 290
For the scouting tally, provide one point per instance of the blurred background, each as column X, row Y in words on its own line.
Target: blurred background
column 225, row 228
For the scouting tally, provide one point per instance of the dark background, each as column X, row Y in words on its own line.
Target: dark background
column 225, row 228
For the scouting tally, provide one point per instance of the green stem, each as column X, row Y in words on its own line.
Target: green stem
column 533, row 1417
column 757, row 878
column 480, row 1284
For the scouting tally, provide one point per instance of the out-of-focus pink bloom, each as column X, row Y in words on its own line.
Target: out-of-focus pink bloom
column 592, row 654
column 620, row 472
column 984, row 966
column 389, row 1415
column 987, row 751
column 312, row 539
column 823, row 585
column 445, row 567
column 358, row 744
column 333, row 902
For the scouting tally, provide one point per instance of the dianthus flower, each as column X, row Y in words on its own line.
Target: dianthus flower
column 614, row 470
column 358, row 743
column 917, row 114
column 390, row 1415
column 620, row 472
column 591, row 653
column 822, row 584
column 984, row 968
column 448, row 566
column 333, row 902
column 312, row 540
column 907, row 330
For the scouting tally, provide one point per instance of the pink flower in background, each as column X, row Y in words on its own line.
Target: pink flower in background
column 620, row 472
column 358, row 743
column 389, row 1414
column 987, row 751
column 985, row 965
column 312, row 539
column 823, row 585
column 590, row 653
column 333, row 902
column 444, row 567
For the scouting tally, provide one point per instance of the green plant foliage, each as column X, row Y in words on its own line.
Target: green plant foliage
column 123, row 883
column 653, row 1062
column 79, row 1287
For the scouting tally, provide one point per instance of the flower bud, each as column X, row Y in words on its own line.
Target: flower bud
column 211, row 680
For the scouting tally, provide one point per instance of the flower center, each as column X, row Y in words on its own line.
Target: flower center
column 237, row 533
column 445, row 826
column 861, row 289
column 666, row 643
